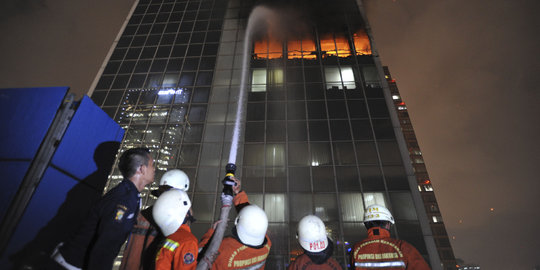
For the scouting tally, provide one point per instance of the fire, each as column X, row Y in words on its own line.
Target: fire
column 330, row 45
column 269, row 48
column 304, row 48
column 361, row 43
column 335, row 46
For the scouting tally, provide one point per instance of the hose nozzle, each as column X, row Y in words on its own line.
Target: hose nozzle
column 228, row 183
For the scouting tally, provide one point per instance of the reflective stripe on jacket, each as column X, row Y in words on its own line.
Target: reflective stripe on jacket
column 179, row 251
column 380, row 251
column 232, row 254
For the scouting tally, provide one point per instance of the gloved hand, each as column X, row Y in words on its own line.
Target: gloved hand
column 226, row 200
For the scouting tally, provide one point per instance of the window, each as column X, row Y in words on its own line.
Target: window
column 269, row 49
column 339, row 78
column 353, row 208
column 301, row 49
column 335, row 45
column 274, row 206
column 361, row 43
column 371, row 76
column 258, row 82
column 262, row 77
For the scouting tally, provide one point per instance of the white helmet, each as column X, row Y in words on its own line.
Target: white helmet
column 170, row 210
column 251, row 224
column 176, row 179
column 377, row 212
column 312, row 234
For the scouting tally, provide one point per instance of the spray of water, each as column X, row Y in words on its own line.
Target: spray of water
column 258, row 16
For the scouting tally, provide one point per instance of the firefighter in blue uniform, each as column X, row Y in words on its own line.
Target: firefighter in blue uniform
column 109, row 223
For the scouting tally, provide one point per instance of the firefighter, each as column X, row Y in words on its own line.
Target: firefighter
column 108, row 224
column 173, row 216
column 379, row 250
column 318, row 248
column 249, row 245
column 145, row 238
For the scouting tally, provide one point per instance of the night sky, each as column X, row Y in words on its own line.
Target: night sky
column 466, row 69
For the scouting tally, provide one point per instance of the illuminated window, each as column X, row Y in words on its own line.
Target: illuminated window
column 268, row 49
column 339, row 78
column 374, row 198
column 353, row 208
column 274, row 206
column 301, row 49
column 394, row 97
column 361, row 43
column 258, row 81
column 401, row 108
column 428, row 187
column 170, row 80
column 436, row 219
column 261, row 77
column 335, row 45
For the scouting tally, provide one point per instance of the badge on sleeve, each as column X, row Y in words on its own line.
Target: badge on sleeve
column 189, row 258
column 120, row 211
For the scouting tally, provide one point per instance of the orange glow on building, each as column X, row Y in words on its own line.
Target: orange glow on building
column 361, row 43
column 304, row 48
column 329, row 44
column 269, row 49
column 343, row 48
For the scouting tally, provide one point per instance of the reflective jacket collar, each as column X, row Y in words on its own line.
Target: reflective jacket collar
column 378, row 233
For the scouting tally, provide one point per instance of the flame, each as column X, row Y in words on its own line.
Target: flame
column 303, row 48
column 269, row 49
column 361, row 43
column 329, row 44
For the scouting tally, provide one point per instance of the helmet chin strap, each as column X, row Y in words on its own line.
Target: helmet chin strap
column 190, row 219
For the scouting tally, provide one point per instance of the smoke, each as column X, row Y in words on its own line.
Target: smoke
column 10, row 8
column 300, row 19
column 277, row 22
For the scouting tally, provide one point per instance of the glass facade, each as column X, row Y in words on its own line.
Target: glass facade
column 438, row 229
column 317, row 134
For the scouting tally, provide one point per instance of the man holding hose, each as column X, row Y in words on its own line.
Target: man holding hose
column 248, row 247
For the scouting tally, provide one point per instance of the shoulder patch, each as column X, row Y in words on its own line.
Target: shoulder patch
column 189, row 258
column 119, row 214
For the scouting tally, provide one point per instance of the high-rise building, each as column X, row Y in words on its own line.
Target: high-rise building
column 320, row 134
column 422, row 177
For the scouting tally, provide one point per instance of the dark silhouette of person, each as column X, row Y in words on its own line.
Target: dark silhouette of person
column 71, row 213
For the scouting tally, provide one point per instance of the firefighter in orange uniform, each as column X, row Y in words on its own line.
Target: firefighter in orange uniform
column 145, row 238
column 379, row 250
column 180, row 249
column 317, row 247
column 248, row 247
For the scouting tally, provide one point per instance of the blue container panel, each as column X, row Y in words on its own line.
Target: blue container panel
column 12, row 174
column 48, row 197
column 89, row 137
column 72, row 183
column 26, row 114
